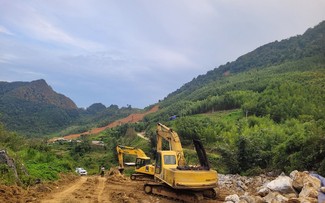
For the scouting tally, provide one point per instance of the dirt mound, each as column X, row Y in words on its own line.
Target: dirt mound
column 114, row 175
column 123, row 197
column 14, row 194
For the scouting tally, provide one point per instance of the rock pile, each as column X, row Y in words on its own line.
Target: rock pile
column 298, row 187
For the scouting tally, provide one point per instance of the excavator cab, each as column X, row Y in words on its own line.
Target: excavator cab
column 165, row 159
column 142, row 161
column 143, row 168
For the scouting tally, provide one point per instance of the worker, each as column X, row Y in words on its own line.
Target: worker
column 102, row 171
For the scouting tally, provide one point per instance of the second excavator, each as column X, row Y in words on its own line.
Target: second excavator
column 143, row 167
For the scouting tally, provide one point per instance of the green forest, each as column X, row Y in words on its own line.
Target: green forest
column 263, row 112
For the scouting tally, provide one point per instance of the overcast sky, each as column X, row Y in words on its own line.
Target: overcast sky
column 137, row 51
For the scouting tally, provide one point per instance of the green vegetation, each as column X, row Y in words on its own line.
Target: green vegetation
column 34, row 109
column 35, row 159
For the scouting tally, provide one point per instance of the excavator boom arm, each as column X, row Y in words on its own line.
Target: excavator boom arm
column 121, row 150
column 163, row 132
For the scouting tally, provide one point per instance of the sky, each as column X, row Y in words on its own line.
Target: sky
column 136, row 52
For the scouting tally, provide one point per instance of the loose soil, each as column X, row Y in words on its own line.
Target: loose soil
column 114, row 188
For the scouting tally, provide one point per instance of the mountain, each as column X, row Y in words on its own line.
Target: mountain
column 310, row 44
column 299, row 59
column 34, row 107
column 263, row 112
column 37, row 91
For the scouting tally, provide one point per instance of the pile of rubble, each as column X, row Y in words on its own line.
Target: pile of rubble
column 298, row 187
column 114, row 175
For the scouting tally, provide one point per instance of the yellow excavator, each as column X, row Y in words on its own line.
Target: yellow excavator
column 143, row 167
column 173, row 178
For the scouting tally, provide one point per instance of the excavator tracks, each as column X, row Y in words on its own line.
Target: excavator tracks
column 141, row 177
column 162, row 189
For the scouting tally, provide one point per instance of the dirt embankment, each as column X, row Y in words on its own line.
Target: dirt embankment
column 133, row 118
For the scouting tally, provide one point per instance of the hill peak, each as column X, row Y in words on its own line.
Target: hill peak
column 37, row 91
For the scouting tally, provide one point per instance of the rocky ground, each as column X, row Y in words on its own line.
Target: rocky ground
column 297, row 187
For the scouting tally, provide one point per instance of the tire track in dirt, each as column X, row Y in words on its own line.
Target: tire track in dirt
column 86, row 190
column 101, row 187
column 108, row 189
column 62, row 196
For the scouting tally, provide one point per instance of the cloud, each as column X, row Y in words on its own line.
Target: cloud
column 137, row 52
column 169, row 59
column 6, row 58
column 30, row 22
column 5, row 31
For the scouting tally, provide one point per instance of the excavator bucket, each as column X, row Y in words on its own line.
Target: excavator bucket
column 201, row 154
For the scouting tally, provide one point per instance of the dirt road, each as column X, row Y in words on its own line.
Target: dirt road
column 96, row 189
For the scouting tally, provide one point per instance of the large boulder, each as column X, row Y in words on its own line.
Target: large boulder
column 300, row 179
column 282, row 184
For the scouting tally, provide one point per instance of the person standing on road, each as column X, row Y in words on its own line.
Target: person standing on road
column 102, row 171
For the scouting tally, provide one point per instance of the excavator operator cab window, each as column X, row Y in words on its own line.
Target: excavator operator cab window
column 146, row 161
column 158, row 164
column 139, row 163
column 169, row 159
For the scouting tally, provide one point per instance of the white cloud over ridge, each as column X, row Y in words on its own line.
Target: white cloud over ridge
column 136, row 52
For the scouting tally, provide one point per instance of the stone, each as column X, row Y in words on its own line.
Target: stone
column 309, row 191
column 242, row 185
column 293, row 174
column 282, row 184
column 263, row 191
column 275, row 197
column 299, row 179
column 322, row 189
column 247, row 198
column 302, row 200
column 232, row 198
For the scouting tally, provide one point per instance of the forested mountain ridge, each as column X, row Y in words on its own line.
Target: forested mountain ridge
column 311, row 43
column 37, row 91
column 34, row 108
column 264, row 111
